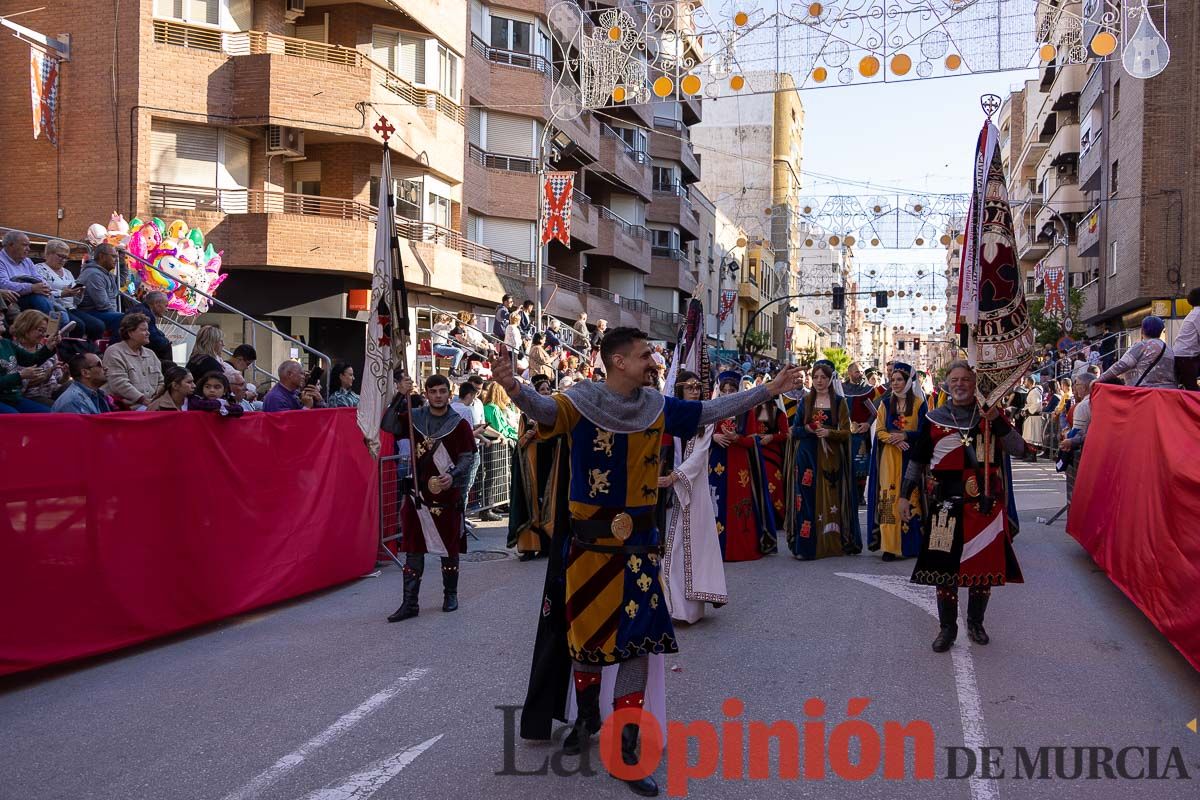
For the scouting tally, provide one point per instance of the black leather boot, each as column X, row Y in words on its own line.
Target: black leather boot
column 450, row 584
column 587, row 722
column 947, row 605
column 414, row 565
column 647, row 786
column 977, row 601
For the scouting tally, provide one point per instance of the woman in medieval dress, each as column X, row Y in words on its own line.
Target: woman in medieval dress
column 823, row 518
column 692, row 570
column 900, row 420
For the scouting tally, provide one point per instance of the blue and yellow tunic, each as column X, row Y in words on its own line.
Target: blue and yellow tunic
column 615, row 605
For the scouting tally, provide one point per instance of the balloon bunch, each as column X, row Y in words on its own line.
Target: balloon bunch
column 181, row 260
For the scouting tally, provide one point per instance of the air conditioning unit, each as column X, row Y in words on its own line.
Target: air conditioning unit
column 295, row 10
column 284, row 141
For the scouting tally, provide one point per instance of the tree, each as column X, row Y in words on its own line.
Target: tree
column 756, row 341
column 1050, row 330
column 839, row 357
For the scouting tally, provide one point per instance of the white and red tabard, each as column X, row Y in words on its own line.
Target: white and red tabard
column 968, row 528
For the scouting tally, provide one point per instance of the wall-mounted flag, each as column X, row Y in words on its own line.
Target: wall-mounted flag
column 556, row 207
column 43, row 83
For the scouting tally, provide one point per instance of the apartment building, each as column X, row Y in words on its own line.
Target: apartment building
column 1139, row 239
column 1099, row 166
column 751, row 142
column 635, row 229
column 254, row 120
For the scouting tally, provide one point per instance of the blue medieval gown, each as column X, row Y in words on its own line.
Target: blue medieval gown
column 823, row 517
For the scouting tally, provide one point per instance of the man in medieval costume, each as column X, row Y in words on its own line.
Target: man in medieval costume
column 614, row 604
column 971, row 517
column 443, row 454
column 857, row 392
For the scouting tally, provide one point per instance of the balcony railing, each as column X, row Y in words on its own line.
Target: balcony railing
column 523, row 164
column 431, row 233
column 668, row 252
column 254, row 201
column 242, row 43
column 639, row 156
column 581, row 204
column 630, row 229
column 257, row 201
column 416, row 95
column 511, row 58
column 627, row 303
column 567, row 282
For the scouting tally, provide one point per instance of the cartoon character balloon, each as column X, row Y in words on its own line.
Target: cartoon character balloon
column 172, row 259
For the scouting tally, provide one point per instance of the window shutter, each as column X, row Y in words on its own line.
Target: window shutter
column 472, row 227
column 509, row 135
column 411, row 59
column 313, row 33
column 306, row 171
column 474, row 126
column 511, row 237
column 183, row 154
column 384, row 44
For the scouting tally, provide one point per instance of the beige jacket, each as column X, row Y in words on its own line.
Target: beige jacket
column 132, row 375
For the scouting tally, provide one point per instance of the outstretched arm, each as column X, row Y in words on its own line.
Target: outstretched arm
column 539, row 408
column 738, row 403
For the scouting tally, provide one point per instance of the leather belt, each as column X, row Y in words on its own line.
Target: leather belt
column 620, row 526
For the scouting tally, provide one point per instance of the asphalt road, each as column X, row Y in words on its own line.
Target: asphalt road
column 320, row 699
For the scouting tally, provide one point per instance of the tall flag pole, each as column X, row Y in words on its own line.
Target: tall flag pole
column 993, row 321
column 388, row 324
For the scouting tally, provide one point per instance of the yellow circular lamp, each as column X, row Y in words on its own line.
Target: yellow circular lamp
column 869, row 66
column 690, row 84
column 1104, row 44
column 901, row 64
column 663, row 86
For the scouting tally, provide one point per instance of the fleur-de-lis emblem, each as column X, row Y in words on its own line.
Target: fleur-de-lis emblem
column 603, row 443
column 631, row 608
column 719, row 469
column 654, row 601
column 644, row 582
column 744, row 477
column 635, row 564
column 653, row 559
column 599, row 482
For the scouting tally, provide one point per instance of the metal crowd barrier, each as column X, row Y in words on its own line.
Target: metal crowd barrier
column 490, row 488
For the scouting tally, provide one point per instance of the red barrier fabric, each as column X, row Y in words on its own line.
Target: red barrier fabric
column 119, row 528
column 1136, row 506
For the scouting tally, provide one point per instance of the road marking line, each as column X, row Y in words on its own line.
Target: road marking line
column 343, row 724
column 362, row 785
column 970, row 709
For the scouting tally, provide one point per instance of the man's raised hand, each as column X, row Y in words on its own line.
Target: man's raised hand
column 502, row 371
column 787, row 380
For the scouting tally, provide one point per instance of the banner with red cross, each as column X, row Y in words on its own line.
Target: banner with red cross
column 1056, row 292
column 728, row 297
column 556, row 207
